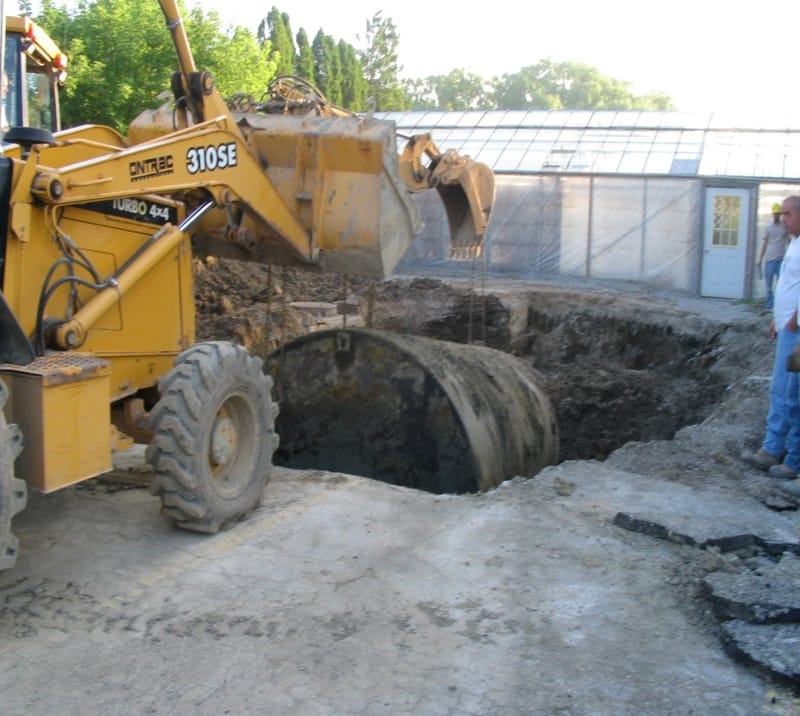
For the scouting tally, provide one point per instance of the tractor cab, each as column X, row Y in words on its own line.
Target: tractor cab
column 33, row 70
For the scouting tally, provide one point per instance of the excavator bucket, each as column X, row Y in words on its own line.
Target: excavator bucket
column 466, row 187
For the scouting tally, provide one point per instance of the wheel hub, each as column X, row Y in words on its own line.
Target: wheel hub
column 223, row 441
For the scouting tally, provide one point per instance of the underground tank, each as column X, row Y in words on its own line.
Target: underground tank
column 411, row 411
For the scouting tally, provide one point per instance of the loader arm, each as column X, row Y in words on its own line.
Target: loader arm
column 204, row 157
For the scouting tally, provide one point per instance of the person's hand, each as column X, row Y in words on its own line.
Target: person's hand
column 771, row 332
column 791, row 324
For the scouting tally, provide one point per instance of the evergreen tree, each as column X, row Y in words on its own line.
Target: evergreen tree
column 379, row 62
column 354, row 86
column 304, row 62
column 327, row 67
column 281, row 37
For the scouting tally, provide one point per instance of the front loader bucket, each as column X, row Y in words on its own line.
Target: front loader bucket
column 412, row 411
column 339, row 176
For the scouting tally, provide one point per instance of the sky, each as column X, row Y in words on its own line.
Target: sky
column 707, row 55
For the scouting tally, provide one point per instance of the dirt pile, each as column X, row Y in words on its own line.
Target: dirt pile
column 252, row 304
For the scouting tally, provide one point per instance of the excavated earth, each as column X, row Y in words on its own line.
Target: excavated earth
column 648, row 572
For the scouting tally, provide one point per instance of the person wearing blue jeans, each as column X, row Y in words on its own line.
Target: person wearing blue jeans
column 783, row 418
column 773, row 248
column 780, row 451
column 772, row 270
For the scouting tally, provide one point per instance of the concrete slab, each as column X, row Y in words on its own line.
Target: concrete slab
column 773, row 648
column 703, row 516
column 346, row 596
column 755, row 598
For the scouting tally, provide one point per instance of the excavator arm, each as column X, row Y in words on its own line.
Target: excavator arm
column 196, row 97
column 206, row 159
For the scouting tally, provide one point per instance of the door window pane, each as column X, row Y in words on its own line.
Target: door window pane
column 727, row 213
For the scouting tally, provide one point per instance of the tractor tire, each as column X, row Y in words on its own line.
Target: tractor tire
column 213, row 437
column 13, row 491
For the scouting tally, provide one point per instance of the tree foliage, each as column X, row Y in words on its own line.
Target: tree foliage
column 280, row 35
column 457, row 90
column 380, row 64
column 106, row 84
column 328, row 67
column 122, row 57
column 304, row 63
column 567, row 85
column 354, row 86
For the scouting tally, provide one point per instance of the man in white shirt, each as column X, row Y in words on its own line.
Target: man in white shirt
column 780, row 451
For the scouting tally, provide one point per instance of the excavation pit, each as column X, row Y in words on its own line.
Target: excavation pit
column 616, row 369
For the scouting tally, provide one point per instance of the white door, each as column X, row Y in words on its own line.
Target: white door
column 725, row 243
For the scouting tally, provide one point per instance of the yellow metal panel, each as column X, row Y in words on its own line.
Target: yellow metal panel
column 141, row 334
column 133, row 372
column 60, row 401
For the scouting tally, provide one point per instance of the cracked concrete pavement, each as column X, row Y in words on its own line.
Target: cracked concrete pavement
column 345, row 595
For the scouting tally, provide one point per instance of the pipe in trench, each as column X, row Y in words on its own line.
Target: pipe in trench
column 411, row 411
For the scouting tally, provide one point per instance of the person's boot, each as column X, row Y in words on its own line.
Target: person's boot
column 760, row 459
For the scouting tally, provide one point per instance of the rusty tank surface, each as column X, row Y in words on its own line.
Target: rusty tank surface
column 412, row 411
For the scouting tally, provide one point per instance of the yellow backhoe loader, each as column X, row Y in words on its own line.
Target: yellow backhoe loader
column 97, row 233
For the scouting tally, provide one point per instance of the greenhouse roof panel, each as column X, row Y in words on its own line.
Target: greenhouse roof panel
column 616, row 142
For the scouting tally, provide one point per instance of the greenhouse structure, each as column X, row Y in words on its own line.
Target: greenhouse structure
column 668, row 199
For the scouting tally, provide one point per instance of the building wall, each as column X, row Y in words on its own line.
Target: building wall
column 640, row 229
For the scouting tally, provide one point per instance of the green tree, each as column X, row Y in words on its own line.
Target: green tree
column 280, row 35
column 568, row 85
column 109, row 42
column 457, row 90
column 327, row 67
column 304, row 63
column 237, row 61
column 354, row 86
column 122, row 57
column 380, row 65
